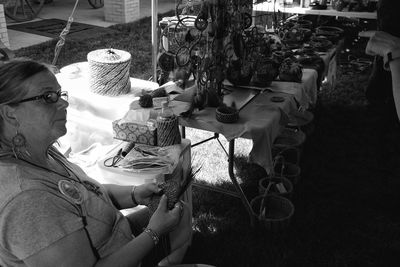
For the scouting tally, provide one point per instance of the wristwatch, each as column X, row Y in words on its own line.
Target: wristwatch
column 390, row 56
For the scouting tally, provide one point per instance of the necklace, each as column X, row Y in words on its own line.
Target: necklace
column 88, row 185
column 49, row 170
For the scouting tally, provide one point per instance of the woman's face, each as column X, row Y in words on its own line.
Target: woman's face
column 40, row 121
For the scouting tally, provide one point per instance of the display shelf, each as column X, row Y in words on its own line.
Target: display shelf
column 269, row 7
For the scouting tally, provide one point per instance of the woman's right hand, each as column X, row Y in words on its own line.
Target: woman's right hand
column 164, row 220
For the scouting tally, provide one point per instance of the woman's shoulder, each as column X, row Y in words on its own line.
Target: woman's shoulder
column 19, row 179
column 10, row 180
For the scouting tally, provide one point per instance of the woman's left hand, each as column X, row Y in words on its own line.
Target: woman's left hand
column 144, row 192
column 381, row 43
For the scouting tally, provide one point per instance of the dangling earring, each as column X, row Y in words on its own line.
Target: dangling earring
column 19, row 143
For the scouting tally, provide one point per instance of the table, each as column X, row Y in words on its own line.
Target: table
column 89, row 113
column 89, row 131
column 261, row 120
column 269, row 7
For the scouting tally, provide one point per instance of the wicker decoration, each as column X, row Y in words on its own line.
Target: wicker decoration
column 226, row 114
column 109, row 72
column 168, row 132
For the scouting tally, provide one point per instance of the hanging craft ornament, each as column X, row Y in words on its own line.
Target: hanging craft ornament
column 63, row 34
column 70, row 191
column 182, row 57
column 186, row 8
column 247, row 20
column 166, row 61
column 201, row 22
column 185, row 33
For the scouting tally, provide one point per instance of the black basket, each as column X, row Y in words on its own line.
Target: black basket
column 227, row 115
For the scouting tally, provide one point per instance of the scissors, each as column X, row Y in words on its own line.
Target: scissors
column 112, row 161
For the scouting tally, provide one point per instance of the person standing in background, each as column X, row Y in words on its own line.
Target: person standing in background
column 379, row 88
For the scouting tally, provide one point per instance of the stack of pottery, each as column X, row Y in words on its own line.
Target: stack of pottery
column 239, row 72
column 290, row 71
column 266, row 71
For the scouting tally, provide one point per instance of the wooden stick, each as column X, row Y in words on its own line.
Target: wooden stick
column 262, row 211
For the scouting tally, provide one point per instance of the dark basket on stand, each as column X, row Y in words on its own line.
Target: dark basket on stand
column 274, row 189
column 290, row 154
column 303, row 121
column 290, row 137
column 226, row 114
column 286, row 169
column 278, row 212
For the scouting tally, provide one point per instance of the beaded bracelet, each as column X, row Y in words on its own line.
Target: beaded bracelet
column 135, row 203
column 154, row 236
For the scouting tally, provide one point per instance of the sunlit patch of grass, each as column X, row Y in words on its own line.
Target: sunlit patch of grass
column 212, row 157
column 209, row 224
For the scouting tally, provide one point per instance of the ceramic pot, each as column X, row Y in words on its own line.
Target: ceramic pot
column 266, row 71
column 239, row 74
column 290, row 71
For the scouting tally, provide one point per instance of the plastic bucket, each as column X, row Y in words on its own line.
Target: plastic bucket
column 281, row 186
column 289, row 170
column 290, row 137
column 289, row 154
column 302, row 120
column 276, row 211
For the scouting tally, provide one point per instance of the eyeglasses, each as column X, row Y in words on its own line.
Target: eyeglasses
column 49, row 97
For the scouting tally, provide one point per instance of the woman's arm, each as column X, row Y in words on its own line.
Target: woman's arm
column 124, row 197
column 75, row 249
column 395, row 69
column 388, row 46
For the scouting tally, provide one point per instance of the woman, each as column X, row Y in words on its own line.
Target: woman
column 379, row 88
column 387, row 46
column 51, row 213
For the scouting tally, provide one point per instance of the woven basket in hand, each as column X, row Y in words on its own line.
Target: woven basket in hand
column 168, row 133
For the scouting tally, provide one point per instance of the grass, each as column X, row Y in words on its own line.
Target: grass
column 346, row 203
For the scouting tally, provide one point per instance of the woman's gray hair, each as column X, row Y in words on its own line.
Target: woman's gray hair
column 13, row 75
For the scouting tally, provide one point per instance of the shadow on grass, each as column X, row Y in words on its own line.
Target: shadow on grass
column 346, row 203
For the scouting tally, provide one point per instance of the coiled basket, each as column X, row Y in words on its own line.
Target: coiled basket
column 109, row 72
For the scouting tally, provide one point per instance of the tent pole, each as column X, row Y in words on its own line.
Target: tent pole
column 154, row 37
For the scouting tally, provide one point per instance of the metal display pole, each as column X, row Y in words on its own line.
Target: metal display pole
column 154, row 37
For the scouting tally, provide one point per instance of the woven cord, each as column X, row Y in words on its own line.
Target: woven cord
column 63, row 34
column 109, row 79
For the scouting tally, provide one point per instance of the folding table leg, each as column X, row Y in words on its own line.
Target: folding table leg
column 236, row 184
column 239, row 192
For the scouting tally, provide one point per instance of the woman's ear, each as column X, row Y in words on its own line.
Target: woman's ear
column 8, row 114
